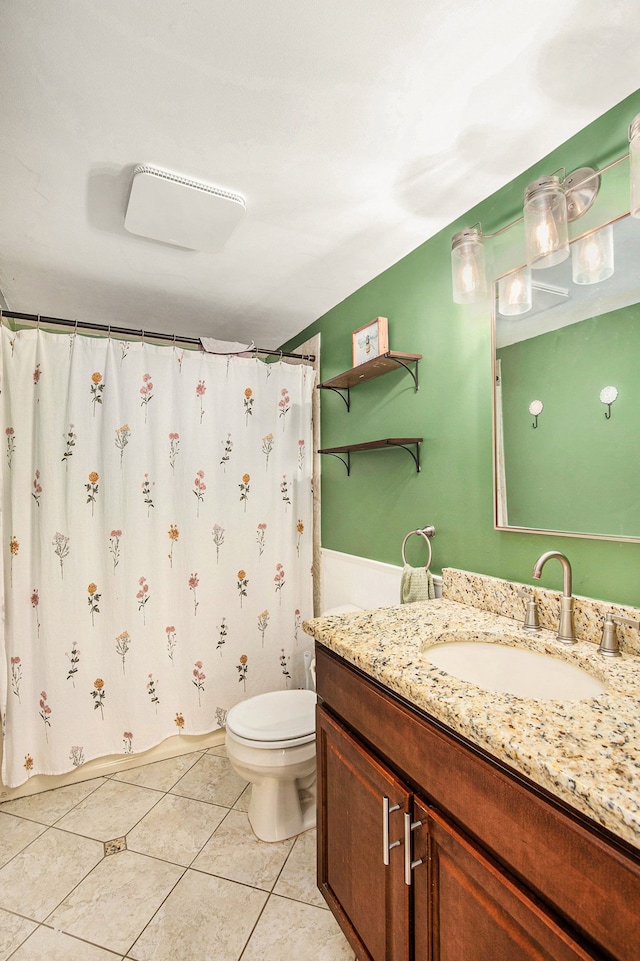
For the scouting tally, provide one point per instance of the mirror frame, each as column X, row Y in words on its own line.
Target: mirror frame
column 494, row 372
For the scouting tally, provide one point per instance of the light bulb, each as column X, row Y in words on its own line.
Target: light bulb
column 514, row 293
column 468, row 266
column 546, row 223
column 592, row 257
column 546, row 237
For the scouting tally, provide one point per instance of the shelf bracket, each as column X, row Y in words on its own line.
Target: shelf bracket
column 339, row 392
column 347, row 462
column 414, row 372
column 416, row 455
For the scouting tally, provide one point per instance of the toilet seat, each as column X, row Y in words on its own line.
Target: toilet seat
column 277, row 719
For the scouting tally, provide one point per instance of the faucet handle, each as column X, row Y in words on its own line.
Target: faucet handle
column 619, row 619
column 609, row 646
column 531, row 622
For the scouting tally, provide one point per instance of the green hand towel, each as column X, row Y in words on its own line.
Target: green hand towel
column 416, row 585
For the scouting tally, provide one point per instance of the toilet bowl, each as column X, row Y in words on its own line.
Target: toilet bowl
column 270, row 740
column 271, row 743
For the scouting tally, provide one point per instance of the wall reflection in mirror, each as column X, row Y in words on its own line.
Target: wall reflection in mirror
column 564, row 338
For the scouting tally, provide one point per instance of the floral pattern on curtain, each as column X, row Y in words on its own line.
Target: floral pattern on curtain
column 157, row 510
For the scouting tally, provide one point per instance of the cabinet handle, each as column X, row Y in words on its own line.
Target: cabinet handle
column 409, row 865
column 386, row 847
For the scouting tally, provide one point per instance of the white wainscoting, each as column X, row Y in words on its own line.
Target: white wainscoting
column 348, row 579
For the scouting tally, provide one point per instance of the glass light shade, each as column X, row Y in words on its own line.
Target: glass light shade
column 545, row 223
column 634, row 166
column 592, row 257
column 514, row 293
column 468, row 270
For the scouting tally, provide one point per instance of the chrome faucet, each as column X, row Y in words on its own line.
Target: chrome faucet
column 565, row 627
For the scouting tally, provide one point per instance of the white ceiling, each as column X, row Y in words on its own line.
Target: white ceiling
column 355, row 129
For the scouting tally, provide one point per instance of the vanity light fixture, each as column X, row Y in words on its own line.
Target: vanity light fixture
column 592, row 257
column 607, row 396
column 550, row 204
column 514, row 293
column 634, row 165
column 468, row 266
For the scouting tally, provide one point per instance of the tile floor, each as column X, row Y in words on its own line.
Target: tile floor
column 187, row 878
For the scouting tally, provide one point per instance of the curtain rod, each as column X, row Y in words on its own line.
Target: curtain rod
column 83, row 325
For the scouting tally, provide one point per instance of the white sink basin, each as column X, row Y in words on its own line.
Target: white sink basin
column 514, row 670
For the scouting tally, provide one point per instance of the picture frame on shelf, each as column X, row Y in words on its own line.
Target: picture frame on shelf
column 370, row 340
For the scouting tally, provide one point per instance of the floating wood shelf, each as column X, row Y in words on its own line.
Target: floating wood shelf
column 406, row 443
column 384, row 364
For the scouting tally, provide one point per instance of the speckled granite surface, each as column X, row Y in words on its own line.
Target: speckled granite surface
column 502, row 597
column 586, row 752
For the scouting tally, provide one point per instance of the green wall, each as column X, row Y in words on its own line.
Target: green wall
column 369, row 512
column 589, row 463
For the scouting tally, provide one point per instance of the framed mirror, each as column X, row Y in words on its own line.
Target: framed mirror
column 567, row 394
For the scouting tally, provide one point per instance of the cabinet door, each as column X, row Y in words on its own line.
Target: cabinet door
column 368, row 897
column 420, row 883
column 478, row 913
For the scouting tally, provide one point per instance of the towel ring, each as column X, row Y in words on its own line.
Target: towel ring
column 427, row 533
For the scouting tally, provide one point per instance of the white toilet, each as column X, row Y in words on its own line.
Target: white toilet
column 271, row 742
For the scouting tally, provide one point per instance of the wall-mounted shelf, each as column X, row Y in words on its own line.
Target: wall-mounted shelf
column 384, row 364
column 406, row 443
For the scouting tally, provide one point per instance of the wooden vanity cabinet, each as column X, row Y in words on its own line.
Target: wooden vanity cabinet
column 364, row 894
column 500, row 872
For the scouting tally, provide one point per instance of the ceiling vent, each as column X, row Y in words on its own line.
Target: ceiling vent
column 186, row 213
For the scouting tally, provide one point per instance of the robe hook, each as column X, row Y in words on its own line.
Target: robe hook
column 607, row 397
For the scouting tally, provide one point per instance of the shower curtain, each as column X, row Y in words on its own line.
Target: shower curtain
column 156, row 532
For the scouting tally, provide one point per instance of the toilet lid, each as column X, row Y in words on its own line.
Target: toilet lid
column 276, row 716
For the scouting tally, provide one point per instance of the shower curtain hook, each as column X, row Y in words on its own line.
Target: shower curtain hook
column 38, row 323
column 142, row 336
column 109, row 332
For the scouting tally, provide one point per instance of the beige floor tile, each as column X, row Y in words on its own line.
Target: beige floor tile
column 290, row 929
column 160, row 775
column 298, row 877
column 220, row 750
column 235, row 853
column 115, row 902
column 110, row 812
column 15, row 834
column 176, row 829
column 211, row 779
column 242, row 804
column 203, row 919
column 41, row 875
column 49, row 806
column 13, row 931
column 52, row 945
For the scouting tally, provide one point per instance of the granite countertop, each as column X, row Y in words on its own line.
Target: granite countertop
column 586, row 752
